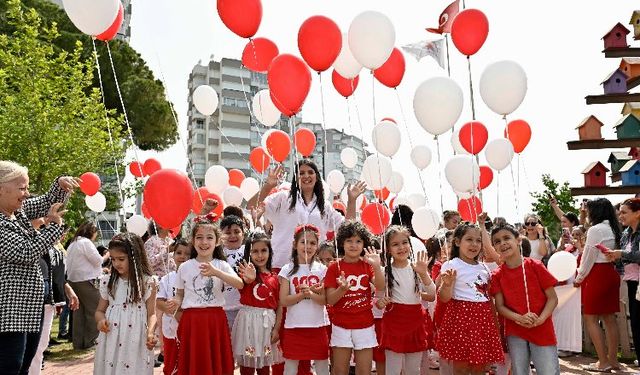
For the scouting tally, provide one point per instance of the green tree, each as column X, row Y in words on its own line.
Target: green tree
column 152, row 129
column 51, row 119
column 542, row 207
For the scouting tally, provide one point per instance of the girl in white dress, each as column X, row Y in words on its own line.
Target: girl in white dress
column 126, row 312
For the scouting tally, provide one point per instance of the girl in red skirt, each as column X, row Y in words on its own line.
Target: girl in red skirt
column 406, row 326
column 468, row 336
column 302, row 293
column 203, row 334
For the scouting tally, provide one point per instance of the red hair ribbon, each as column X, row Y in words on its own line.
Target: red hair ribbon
column 208, row 218
column 307, row 227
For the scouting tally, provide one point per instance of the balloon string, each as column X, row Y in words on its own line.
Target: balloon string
column 373, row 97
column 513, row 180
column 498, row 195
column 473, row 105
column 106, row 118
column 446, row 41
column 324, row 126
column 246, row 99
column 439, row 173
column 524, row 276
column 348, row 115
column 524, row 170
column 355, row 103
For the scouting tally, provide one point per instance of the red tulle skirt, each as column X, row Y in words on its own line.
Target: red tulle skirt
column 406, row 328
column 204, row 342
column 601, row 290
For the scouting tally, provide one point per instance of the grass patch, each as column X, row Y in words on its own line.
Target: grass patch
column 64, row 351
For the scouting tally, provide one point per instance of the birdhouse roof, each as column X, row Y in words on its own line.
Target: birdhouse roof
column 624, row 119
column 630, row 60
column 586, row 120
column 617, row 156
column 615, row 72
column 634, row 15
column 593, row 165
column 617, row 26
column 629, row 165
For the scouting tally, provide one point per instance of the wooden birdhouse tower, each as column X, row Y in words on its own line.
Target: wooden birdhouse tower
column 595, row 175
column 616, row 37
column 615, row 83
column 630, row 66
column 630, row 173
column 628, row 127
column 635, row 22
column 589, row 128
column 634, row 152
column 617, row 160
column 631, row 108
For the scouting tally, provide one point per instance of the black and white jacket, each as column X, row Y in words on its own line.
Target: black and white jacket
column 21, row 246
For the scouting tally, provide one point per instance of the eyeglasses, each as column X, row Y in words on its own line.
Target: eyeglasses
column 531, row 223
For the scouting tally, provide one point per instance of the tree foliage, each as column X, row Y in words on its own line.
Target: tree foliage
column 152, row 129
column 52, row 119
column 542, row 207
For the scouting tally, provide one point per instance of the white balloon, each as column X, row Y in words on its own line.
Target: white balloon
column 346, row 65
column 386, row 138
column 425, row 222
column 464, row 194
column 421, row 156
column 371, row 38
column 335, row 180
column 232, row 196
column 562, row 265
column 263, row 141
column 216, row 179
column 455, row 143
column 249, row 187
column 376, row 171
column 462, row 173
column 92, row 17
column 349, row 157
column 263, row 108
column 503, row 86
column 205, row 99
column 499, row 153
column 437, row 104
column 416, row 200
column 396, row 182
column 97, row 202
column 137, row 224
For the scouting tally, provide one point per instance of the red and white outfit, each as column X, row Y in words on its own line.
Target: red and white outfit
column 469, row 332
column 203, row 334
column 352, row 318
column 598, row 278
column 254, row 323
column 167, row 291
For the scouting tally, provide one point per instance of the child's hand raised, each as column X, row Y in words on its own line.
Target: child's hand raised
column 151, row 341
column 207, row 269
column 372, row 257
column 247, row 272
column 421, row 265
column 448, row 277
column 103, row 326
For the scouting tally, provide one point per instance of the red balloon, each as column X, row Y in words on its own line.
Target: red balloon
column 200, row 196
column 305, row 141
column 243, row 17
column 337, row 205
column 151, row 166
column 258, row 54
column 168, row 194
column 473, row 136
column 469, row 31
column 344, row 86
column 392, row 203
column 112, row 31
column 391, row 72
column 236, row 177
column 389, row 119
column 519, row 133
column 486, row 177
column 364, row 203
column 319, row 42
column 174, row 232
column 136, row 168
column 382, row 194
column 470, row 209
column 289, row 83
column 278, row 145
column 259, row 159
column 145, row 210
column 376, row 217
column 90, row 183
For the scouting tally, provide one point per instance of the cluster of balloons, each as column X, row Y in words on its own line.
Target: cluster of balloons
column 90, row 185
column 98, row 18
column 149, row 167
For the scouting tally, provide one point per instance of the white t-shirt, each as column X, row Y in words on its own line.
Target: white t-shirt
column 306, row 313
column 285, row 222
column 167, row 290
column 231, row 294
column 201, row 291
column 472, row 280
column 404, row 286
column 83, row 260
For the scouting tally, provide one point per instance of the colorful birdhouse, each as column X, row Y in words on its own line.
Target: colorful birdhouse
column 634, row 152
column 630, row 66
column 631, row 108
column 635, row 22
column 615, row 83
column 616, row 37
column 595, row 175
column 589, row 128
column 630, row 173
column 617, row 160
column 628, row 127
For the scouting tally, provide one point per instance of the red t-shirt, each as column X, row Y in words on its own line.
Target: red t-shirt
column 262, row 294
column 435, row 270
column 510, row 282
column 355, row 309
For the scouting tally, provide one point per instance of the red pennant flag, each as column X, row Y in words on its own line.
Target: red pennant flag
column 446, row 18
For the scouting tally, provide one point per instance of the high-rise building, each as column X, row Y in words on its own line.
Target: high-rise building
column 124, row 33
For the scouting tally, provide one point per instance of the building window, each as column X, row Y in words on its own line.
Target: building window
column 200, row 139
column 107, row 229
column 199, row 124
column 198, row 168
